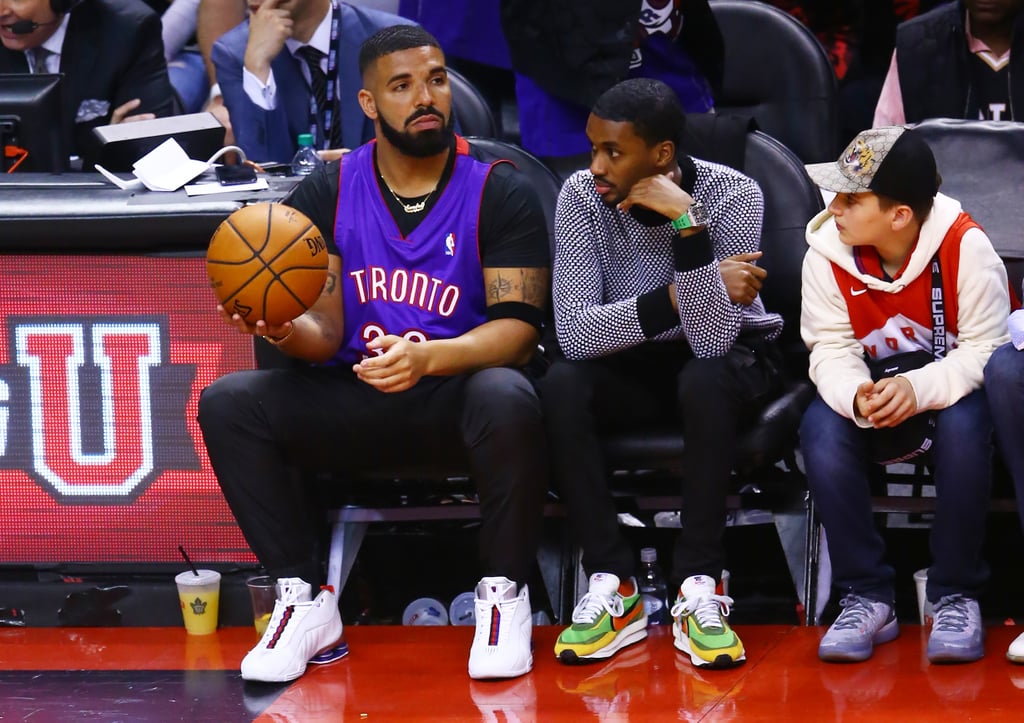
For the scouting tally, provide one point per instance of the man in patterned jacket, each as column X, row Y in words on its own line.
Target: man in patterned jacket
column 658, row 318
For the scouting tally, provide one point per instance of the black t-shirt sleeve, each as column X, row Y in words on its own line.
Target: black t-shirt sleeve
column 316, row 195
column 513, row 229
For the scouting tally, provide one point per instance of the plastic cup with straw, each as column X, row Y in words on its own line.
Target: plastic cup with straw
column 199, row 596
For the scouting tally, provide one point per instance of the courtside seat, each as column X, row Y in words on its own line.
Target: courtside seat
column 471, row 110
column 777, row 71
column 982, row 166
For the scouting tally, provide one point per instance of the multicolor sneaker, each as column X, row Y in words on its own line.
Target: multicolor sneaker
column 957, row 633
column 605, row 620
column 863, row 624
column 299, row 632
column 700, row 628
column 502, row 646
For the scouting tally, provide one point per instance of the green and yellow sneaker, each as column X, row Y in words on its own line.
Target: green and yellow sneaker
column 606, row 620
column 699, row 626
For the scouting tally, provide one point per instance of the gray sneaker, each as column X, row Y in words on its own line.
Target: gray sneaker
column 957, row 634
column 863, row 624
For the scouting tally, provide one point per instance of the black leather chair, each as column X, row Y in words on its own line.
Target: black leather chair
column 471, row 110
column 778, row 72
column 982, row 166
column 542, row 178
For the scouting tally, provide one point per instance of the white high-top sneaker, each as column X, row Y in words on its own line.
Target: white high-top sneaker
column 300, row 631
column 502, row 646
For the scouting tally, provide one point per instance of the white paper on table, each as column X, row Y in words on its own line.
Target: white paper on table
column 167, row 167
column 133, row 185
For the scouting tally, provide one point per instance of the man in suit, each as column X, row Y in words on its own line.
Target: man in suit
column 266, row 82
column 109, row 51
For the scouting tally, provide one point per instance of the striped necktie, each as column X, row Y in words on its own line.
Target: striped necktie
column 38, row 56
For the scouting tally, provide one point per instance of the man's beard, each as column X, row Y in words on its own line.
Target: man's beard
column 425, row 143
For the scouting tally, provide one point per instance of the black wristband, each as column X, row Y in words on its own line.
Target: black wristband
column 655, row 312
column 516, row 310
column 693, row 251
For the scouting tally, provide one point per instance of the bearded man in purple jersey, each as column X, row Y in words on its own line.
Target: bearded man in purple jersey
column 433, row 305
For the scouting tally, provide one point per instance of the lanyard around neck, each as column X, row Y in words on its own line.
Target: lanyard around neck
column 331, row 111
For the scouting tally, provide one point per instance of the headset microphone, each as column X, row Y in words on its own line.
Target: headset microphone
column 24, row 27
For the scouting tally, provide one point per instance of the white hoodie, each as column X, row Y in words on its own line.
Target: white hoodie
column 837, row 364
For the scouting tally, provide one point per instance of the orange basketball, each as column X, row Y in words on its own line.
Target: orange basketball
column 267, row 261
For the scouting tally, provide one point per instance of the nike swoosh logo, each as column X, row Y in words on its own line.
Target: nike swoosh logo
column 858, row 292
column 628, row 616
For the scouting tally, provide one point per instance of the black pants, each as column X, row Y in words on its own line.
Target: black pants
column 259, row 426
column 653, row 383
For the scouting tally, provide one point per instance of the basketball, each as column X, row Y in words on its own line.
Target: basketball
column 267, row 261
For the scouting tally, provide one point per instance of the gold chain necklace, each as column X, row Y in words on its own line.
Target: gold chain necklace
column 409, row 207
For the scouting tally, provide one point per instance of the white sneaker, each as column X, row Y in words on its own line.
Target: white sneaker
column 294, row 587
column 300, row 631
column 502, row 646
column 1015, row 653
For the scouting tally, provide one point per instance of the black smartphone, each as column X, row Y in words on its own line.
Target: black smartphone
column 277, row 169
column 235, row 175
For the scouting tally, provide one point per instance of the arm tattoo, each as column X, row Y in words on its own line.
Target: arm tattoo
column 535, row 287
column 528, row 285
column 499, row 288
column 330, row 285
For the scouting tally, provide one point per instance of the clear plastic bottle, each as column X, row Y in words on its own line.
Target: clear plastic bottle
column 653, row 588
column 306, row 159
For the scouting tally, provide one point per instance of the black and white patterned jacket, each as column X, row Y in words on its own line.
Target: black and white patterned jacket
column 611, row 272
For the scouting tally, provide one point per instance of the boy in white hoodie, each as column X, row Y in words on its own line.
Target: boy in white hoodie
column 895, row 267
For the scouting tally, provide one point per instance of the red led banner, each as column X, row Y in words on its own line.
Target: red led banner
column 102, row 360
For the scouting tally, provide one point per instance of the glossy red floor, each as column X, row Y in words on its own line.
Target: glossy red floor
column 419, row 674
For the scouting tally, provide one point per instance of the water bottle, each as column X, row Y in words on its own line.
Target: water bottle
column 653, row 588
column 306, row 159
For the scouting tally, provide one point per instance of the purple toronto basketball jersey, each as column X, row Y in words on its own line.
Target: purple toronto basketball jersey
column 428, row 285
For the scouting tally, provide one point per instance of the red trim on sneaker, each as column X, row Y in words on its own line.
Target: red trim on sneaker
column 492, row 638
column 285, row 618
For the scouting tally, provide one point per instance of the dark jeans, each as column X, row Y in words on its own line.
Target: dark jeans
column 652, row 384
column 261, row 425
column 1004, row 385
column 838, row 471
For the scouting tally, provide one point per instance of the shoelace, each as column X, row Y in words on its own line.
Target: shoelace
column 951, row 614
column 591, row 605
column 708, row 609
column 856, row 610
column 288, row 605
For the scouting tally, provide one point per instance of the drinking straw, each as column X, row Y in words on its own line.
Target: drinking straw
column 181, row 549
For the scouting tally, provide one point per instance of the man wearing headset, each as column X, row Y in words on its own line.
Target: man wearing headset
column 109, row 51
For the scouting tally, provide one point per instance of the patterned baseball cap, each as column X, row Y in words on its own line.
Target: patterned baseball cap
column 894, row 162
